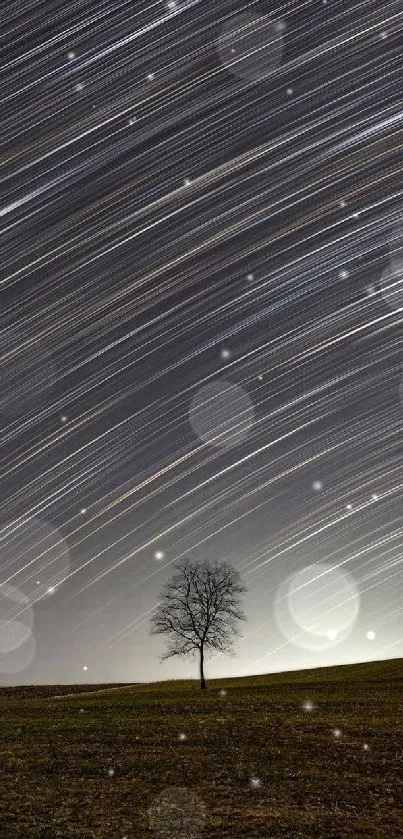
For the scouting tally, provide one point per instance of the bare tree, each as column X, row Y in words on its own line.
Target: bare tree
column 199, row 610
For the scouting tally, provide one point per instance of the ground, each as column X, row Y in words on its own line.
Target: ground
column 245, row 758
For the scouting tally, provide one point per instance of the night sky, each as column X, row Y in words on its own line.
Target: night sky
column 200, row 329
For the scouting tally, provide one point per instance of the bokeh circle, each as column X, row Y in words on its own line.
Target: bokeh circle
column 221, row 413
column 177, row 813
column 16, row 618
column 18, row 659
column 317, row 607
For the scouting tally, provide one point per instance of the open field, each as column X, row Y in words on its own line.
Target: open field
column 253, row 761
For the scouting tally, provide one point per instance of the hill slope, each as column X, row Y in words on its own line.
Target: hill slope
column 304, row 755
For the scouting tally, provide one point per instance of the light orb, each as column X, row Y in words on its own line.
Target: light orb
column 222, row 414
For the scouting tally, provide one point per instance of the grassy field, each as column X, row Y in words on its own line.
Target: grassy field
column 242, row 759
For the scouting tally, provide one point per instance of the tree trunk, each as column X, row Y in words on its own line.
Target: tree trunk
column 202, row 679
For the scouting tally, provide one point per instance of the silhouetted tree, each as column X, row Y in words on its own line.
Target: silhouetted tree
column 199, row 610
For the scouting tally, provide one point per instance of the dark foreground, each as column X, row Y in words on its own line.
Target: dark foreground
column 168, row 761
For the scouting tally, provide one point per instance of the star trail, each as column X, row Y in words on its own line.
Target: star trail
column 200, row 329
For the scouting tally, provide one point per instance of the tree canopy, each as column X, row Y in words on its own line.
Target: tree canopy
column 199, row 609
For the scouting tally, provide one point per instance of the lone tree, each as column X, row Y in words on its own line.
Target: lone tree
column 199, row 610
